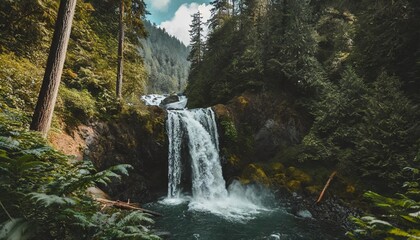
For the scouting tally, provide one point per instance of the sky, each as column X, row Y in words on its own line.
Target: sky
column 175, row 15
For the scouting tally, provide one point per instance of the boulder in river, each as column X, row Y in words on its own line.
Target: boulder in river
column 169, row 99
column 174, row 102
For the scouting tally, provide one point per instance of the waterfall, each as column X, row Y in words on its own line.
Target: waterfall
column 198, row 128
column 196, row 131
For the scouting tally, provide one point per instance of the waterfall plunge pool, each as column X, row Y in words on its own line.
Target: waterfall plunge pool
column 210, row 211
column 184, row 222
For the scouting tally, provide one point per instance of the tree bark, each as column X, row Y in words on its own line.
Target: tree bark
column 120, row 51
column 41, row 119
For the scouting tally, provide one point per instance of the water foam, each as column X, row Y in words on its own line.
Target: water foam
column 243, row 203
column 198, row 129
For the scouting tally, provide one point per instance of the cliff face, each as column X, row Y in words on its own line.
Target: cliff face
column 137, row 139
column 260, row 142
column 259, row 126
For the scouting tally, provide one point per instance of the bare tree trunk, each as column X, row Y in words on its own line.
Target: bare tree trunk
column 120, row 51
column 41, row 120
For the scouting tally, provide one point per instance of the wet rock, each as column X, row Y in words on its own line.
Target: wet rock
column 255, row 173
column 298, row 175
column 294, row 185
column 169, row 99
column 313, row 190
column 279, row 180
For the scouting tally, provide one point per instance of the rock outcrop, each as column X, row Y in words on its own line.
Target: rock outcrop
column 135, row 138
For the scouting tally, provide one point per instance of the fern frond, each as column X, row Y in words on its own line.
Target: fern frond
column 8, row 143
column 135, row 217
column 84, row 178
column 47, row 200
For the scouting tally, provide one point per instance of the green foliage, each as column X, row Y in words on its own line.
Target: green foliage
column 25, row 25
column 196, row 40
column 264, row 45
column 44, row 194
column 78, row 103
column 396, row 218
column 19, row 82
column 119, row 226
column 90, row 68
column 363, row 129
column 387, row 38
column 229, row 130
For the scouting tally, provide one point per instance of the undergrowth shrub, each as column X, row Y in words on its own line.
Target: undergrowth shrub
column 78, row 103
column 395, row 217
column 19, row 82
column 43, row 192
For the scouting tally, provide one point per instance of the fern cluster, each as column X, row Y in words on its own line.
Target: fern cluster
column 43, row 192
column 397, row 218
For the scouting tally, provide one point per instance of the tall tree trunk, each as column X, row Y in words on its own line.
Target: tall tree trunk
column 120, row 51
column 41, row 120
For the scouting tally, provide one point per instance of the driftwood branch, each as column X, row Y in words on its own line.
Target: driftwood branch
column 124, row 205
column 326, row 186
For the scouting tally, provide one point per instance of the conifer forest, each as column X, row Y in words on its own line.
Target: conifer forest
column 281, row 119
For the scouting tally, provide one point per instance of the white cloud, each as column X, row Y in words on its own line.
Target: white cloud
column 179, row 25
column 160, row 5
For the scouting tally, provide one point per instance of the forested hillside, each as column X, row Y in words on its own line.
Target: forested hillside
column 165, row 59
column 89, row 75
column 353, row 66
column 43, row 191
column 341, row 62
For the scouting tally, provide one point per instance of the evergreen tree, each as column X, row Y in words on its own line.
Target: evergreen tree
column 133, row 17
column 197, row 43
column 292, row 47
column 387, row 37
column 220, row 12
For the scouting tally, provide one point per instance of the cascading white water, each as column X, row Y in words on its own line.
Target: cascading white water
column 199, row 127
column 197, row 130
column 173, row 128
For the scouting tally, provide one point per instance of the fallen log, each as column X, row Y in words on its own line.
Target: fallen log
column 127, row 206
column 326, row 186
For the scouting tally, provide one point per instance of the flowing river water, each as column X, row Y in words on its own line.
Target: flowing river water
column 198, row 204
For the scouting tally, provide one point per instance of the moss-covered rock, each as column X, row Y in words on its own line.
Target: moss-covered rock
column 299, row 175
column 275, row 168
column 255, row 173
column 279, row 180
column 294, row 185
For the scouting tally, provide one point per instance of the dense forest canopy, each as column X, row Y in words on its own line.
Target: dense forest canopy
column 340, row 61
column 352, row 65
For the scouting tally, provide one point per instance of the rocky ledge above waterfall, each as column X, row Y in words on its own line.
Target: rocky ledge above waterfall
column 166, row 101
